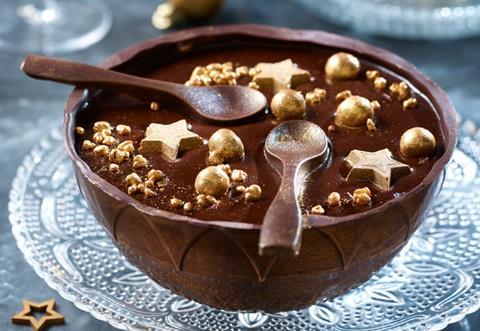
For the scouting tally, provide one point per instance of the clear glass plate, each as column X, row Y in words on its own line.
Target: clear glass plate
column 414, row 19
column 434, row 281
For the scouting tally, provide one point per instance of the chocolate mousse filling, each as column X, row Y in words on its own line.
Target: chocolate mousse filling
column 392, row 118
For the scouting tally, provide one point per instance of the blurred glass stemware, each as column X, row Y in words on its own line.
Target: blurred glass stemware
column 410, row 19
column 52, row 26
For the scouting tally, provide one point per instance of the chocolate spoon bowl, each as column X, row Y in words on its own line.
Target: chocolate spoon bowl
column 216, row 262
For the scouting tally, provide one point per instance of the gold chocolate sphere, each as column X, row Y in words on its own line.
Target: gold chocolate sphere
column 212, row 181
column 342, row 66
column 225, row 146
column 353, row 111
column 417, row 142
column 288, row 104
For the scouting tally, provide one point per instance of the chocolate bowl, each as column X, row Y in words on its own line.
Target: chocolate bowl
column 216, row 262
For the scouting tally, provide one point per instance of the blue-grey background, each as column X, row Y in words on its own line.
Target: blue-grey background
column 28, row 109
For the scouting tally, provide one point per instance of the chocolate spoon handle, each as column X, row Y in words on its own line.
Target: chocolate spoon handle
column 277, row 237
column 84, row 75
column 215, row 103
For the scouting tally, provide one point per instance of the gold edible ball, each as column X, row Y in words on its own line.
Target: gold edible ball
column 225, row 146
column 417, row 142
column 288, row 104
column 353, row 111
column 342, row 66
column 212, row 181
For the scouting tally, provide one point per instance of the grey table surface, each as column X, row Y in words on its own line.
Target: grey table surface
column 28, row 109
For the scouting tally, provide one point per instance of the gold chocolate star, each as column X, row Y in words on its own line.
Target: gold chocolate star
column 280, row 75
column 379, row 168
column 51, row 316
column 169, row 139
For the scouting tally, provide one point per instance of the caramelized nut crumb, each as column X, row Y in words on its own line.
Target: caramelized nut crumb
column 98, row 137
column 343, row 95
column 149, row 183
column 132, row 189
column 101, row 150
column 148, row 192
column 316, row 96
column 410, row 103
column 238, row 176
column 110, row 141
column 318, row 210
column 333, row 199
column 400, row 90
column 176, row 203
column 133, row 179
column 188, row 206
column 155, row 175
column 101, row 125
column 242, row 71
column 215, row 73
column 372, row 74
column 123, row 129
column 114, row 168
column 139, row 161
column 106, row 132
column 362, row 196
column 154, row 106
column 371, row 125
column 79, row 130
column 332, row 128
column 126, row 146
column 253, row 193
column 380, row 83
column 87, row 145
column 202, row 201
column 118, row 156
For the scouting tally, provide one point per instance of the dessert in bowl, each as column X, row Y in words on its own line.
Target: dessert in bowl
column 185, row 198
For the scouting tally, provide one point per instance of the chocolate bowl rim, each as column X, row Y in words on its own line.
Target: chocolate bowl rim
column 444, row 109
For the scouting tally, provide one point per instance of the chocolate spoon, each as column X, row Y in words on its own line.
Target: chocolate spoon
column 219, row 103
column 294, row 149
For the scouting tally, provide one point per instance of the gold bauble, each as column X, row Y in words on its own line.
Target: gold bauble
column 172, row 12
column 353, row 111
column 342, row 66
column 197, row 9
column 417, row 142
column 212, row 181
column 288, row 104
column 225, row 146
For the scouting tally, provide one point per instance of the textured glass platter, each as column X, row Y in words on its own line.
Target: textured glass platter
column 434, row 281
column 414, row 19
